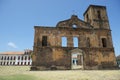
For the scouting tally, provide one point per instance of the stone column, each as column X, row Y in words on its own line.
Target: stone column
column 69, row 41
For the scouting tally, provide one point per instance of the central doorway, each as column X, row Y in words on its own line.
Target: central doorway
column 76, row 59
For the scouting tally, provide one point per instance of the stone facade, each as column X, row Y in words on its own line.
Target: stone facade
column 75, row 44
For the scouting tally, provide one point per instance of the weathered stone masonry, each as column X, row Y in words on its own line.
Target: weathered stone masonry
column 94, row 51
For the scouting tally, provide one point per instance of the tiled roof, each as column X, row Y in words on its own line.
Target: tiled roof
column 12, row 52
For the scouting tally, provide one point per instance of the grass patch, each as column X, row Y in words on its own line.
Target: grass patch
column 17, row 77
column 24, row 73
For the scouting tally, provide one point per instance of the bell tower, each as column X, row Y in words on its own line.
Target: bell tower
column 97, row 16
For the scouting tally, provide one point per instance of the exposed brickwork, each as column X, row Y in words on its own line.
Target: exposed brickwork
column 95, row 54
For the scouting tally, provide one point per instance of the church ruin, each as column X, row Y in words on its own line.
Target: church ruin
column 75, row 44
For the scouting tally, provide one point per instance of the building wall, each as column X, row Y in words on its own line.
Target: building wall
column 94, row 40
column 15, row 59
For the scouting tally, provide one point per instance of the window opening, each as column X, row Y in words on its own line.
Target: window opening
column 8, row 58
column 74, row 26
column 7, row 63
column 25, row 63
column 21, row 63
column 75, row 41
column 99, row 14
column 5, row 58
column 28, row 63
column 4, row 63
column 18, row 63
column 11, row 57
column 25, row 57
column 44, row 41
column 29, row 58
column 2, row 58
column 22, row 57
column 14, row 57
column 13, row 63
column 104, row 42
column 64, row 41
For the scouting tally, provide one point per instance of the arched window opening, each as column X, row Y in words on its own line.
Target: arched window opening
column 64, row 41
column 104, row 42
column 75, row 41
column 99, row 14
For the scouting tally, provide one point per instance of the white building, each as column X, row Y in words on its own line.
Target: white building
column 16, row 58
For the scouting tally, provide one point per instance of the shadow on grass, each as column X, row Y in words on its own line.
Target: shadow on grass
column 17, row 77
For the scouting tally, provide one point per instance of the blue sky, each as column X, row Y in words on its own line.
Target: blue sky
column 18, row 18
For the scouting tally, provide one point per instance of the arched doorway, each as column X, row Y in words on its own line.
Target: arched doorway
column 76, row 59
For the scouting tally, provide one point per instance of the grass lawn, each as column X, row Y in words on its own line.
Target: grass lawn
column 23, row 73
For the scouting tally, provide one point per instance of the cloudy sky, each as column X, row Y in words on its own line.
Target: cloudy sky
column 18, row 18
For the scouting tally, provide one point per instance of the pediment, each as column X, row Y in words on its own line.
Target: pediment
column 74, row 22
column 79, row 51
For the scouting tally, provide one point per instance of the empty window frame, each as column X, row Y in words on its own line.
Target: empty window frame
column 44, row 40
column 104, row 42
column 75, row 41
column 64, row 41
column 99, row 14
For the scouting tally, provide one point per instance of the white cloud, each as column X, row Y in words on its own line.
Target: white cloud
column 11, row 44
